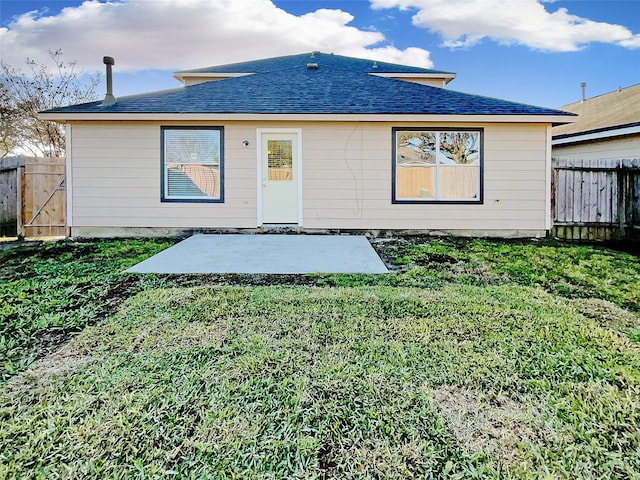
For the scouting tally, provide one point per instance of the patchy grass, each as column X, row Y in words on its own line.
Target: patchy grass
column 51, row 291
column 472, row 359
column 463, row 381
column 570, row 270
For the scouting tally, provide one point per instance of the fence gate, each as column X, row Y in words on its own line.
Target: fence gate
column 43, row 197
column 596, row 199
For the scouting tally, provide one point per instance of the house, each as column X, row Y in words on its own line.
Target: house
column 608, row 127
column 313, row 141
column 596, row 168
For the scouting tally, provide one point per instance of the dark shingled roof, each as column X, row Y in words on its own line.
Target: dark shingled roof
column 284, row 85
column 358, row 65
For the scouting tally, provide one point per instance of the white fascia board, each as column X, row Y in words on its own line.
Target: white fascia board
column 310, row 117
column 447, row 77
column 548, row 218
column 69, row 176
column 587, row 137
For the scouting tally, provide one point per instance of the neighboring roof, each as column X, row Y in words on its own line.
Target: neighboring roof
column 339, row 85
column 604, row 114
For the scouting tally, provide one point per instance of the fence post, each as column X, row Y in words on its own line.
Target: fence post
column 552, row 203
column 621, row 201
column 20, row 202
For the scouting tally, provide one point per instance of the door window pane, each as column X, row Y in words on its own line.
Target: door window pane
column 280, row 160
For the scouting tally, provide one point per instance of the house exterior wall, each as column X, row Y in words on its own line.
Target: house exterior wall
column 346, row 181
column 621, row 147
column 116, row 179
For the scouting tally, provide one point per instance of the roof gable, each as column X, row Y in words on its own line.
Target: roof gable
column 323, row 60
column 351, row 64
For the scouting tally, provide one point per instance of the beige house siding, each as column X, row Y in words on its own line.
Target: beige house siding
column 116, row 181
column 624, row 147
column 353, row 162
column 346, row 179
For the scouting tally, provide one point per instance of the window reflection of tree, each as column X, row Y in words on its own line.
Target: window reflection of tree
column 460, row 147
column 438, row 165
column 193, row 147
column 193, row 163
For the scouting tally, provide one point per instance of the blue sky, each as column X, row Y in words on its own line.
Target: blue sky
column 530, row 51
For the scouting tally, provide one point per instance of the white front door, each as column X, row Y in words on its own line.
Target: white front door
column 280, row 172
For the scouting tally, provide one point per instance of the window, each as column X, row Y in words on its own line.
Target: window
column 280, row 160
column 192, row 164
column 437, row 166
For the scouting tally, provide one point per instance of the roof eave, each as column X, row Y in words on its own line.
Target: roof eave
column 181, row 76
column 304, row 117
column 445, row 76
column 597, row 134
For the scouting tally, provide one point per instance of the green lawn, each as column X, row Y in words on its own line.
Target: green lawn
column 51, row 291
column 473, row 359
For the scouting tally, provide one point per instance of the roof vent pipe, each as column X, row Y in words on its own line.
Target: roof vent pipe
column 109, row 99
column 584, row 91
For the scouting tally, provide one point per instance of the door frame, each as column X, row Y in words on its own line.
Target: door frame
column 298, row 159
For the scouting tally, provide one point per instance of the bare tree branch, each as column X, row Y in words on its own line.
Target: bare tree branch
column 23, row 95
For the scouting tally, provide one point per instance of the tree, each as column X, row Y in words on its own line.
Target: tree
column 8, row 122
column 22, row 96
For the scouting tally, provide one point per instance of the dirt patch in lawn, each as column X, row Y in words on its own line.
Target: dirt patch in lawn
column 49, row 341
column 493, row 425
column 65, row 358
column 390, row 248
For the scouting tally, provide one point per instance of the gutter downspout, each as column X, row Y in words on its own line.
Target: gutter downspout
column 69, row 179
column 548, row 173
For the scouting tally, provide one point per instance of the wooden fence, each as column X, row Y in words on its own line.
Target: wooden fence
column 591, row 199
column 596, row 199
column 10, row 169
column 32, row 196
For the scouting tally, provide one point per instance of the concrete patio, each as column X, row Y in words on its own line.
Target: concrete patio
column 266, row 253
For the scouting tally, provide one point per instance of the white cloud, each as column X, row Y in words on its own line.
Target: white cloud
column 632, row 42
column 463, row 23
column 175, row 34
